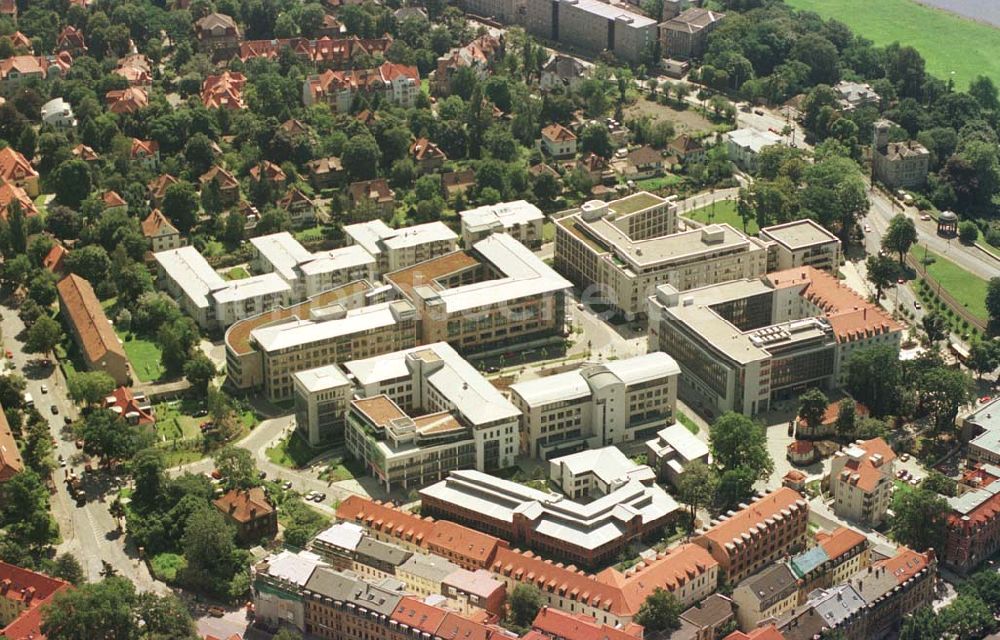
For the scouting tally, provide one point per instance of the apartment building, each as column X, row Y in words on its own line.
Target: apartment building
column 672, row 450
column 519, row 219
column 801, row 243
column 424, row 573
column 743, row 344
column 558, row 141
column 973, row 527
column 322, row 398
column 214, row 302
column 217, row 31
column 898, row 164
column 594, row 473
column 324, row 52
column 310, row 273
column 23, row 594
column 861, row 479
column 423, row 412
column 475, row 593
column 769, row 528
column 836, row 557
column 592, row 26
column 11, row 463
column 93, row 333
column 745, row 145
column 398, row 84
column 619, row 402
column 551, row 524
column 278, row 582
column 685, row 35
column 496, row 293
column 395, row 249
column 160, row 232
column 15, row 168
column 765, row 596
column 618, row 252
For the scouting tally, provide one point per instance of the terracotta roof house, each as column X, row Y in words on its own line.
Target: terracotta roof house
column 135, row 68
column 330, row 27
column 427, row 155
column 801, row 452
column 10, row 193
column 11, row 463
column 300, row 208
column 146, row 152
column 325, row 52
column 23, row 594
column 112, row 201
column 398, row 84
column 161, row 233
column 543, row 168
column 250, row 511
column 270, row 172
column 15, row 168
column 367, row 117
column 456, row 182
column 21, row 42
column 157, row 188
column 55, row 260
column 478, row 55
column 100, row 346
column 228, row 185
column 553, row 623
column 85, row 153
column 594, row 166
column 325, row 172
column 294, row 127
column 217, row 31
column 861, row 480
column 769, row 632
column 130, row 100
column 377, row 192
column 828, row 424
column 686, row 149
column 558, row 141
column 644, row 162
column 224, row 91
column 71, row 41
column 134, row 408
column 18, row 67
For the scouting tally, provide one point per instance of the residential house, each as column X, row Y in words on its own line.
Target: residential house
column 595, row 167
column 85, row 153
column 11, row 463
column 71, row 41
column 744, row 145
column 325, row 172
column 553, row 624
column 861, row 480
column 145, row 152
column 15, row 168
column 475, row 592
column 899, row 164
column 301, row 209
column 686, row 149
column 270, row 172
column 644, row 162
column 55, row 260
column 427, row 155
column 706, row 620
column 558, row 141
column 561, row 72
column 23, row 595
column 128, row 100
column 225, row 182
column 325, row 52
column 11, row 193
column 113, row 202
column 765, row 596
column 478, row 55
column 136, row 69
column 223, row 91
column 20, row 42
column 456, row 182
column 686, row 35
column 134, row 408
column 376, row 193
column 519, row 219
column 672, row 450
column 58, row 113
column 161, row 233
column 217, row 32
column 84, row 316
column 22, row 67
column 157, row 188
column 856, row 94
column 250, row 511
column 397, row 83
column 330, row 27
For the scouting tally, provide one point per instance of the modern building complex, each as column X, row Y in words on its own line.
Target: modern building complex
column 672, row 450
column 586, row 535
column 94, row 335
column 493, row 294
column 423, row 412
column 592, row 26
column 742, row 344
column 395, row 249
column 898, row 164
column 620, row 402
column 308, row 273
column 619, row 252
column 861, row 481
column 758, row 534
column 801, row 243
column 214, row 302
column 685, row 35
column 322, row 398
column 595, row 473
column 519, row 219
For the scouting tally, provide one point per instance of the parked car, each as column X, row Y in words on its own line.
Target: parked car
column 216, row 611
column 45, row 388
column 54, row 409
column 916, row 304
column 286, row 485
column 905, row 457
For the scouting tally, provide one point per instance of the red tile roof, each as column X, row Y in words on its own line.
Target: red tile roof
column 271, row 171
column 418, row 616
column 851, row 316
column 558, row 133
column 671, row 571
column 223, row 178
column 745, row 519
column 127, row 100
column 85, row 313
column 27, row 589
column 477, row 547
column 158, row 186
column 568, row 626
column 770, row 632
column 840, row 541
column 156, row 222
column 244, row 505
column 54, row 261
column 424, row 149
column 223, row 91
column 144, row 148
column 9, row 193
column 86, row 153
column 905, row 564
column 14, row 166
column 868, row 472
column 125, row 402
column 111, row 200
column 10, row 457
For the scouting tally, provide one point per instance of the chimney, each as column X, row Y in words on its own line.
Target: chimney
column 4, row 585
column 29, row 595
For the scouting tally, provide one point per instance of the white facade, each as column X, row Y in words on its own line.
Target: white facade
column 745, row 145
column 519, row 219
column 322, row 396
column 307, row 273
column 395, row 249
column 58, row 113
column 596, row 472
column 802, row 243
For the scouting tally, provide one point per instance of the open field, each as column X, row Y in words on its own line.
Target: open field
column 722, row 211
column 685, row 121
column 237, row 273
column 145, row 356
column 947, row 42
column 962, row 285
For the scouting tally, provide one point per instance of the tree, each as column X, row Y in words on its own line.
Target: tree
column 739, row 442
column 735, row 486
column 180, row 205
column 882, row 272
column 967, row 618
column 920, row 519
column 524, row 603
column 984, row 356
column 696, row 487
column 71, row 182
column 209, row 545
column 237, row 468
column 37, row 448
column 874, row 378
column 812, row 407
column 938, row 483
column 968, row 232
column 147, row 469
column 847, row 417
column 361, row 157
column 68, row 568
column 985, row 585
column 596, row 139
column 922, row 624
column 935, row 326
column 199, row 371
column 234, row 228
column 90, row 387
column 660, row 612
column 993, row 304
column 106, row 435
column 899, row 237
column 546, row 187
column 943, row 391
column 43, row 336
column 24, row 514
column 90, row 263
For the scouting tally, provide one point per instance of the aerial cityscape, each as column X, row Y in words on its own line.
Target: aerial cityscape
column 499, row 320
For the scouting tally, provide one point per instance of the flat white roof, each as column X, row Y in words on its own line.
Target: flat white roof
column 321, row 378
column 376, row 235
column 283, row 251
column 607, row 463
column 753, row 139
column 560, row 387
column 524, row 275
column 192, row 273
column 644, row 368
column 246, row 288
column 506, row 214
column 677, row 437
column 295, row 568
column 337, row 259
column 345, row 535
column 799, row 234
column 301, row 332
column 456, row 380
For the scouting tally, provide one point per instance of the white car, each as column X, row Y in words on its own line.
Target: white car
column 45, row 389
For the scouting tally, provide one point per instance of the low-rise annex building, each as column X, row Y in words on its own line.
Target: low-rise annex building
column 802, row 243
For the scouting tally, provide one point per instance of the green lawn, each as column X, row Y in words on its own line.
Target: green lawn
column 237, row 273
column 166, row 565
column 722, row 211
column 292, row 452
column 965, row 287
column 655, row 184
column 145, row 356
column 310, row 234
column 948, row 42
column 688, row 423
column 548, row 231
column 172, row 423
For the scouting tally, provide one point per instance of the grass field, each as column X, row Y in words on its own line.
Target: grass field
column 310, row 234
column 166, row 565
column 655, row 184
column 688, row 423
column 145, row 357
column 722, row 211
column 172, row 424
column 292, row 452
column 947, row 42
column 237, row 273
column 968, row 289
